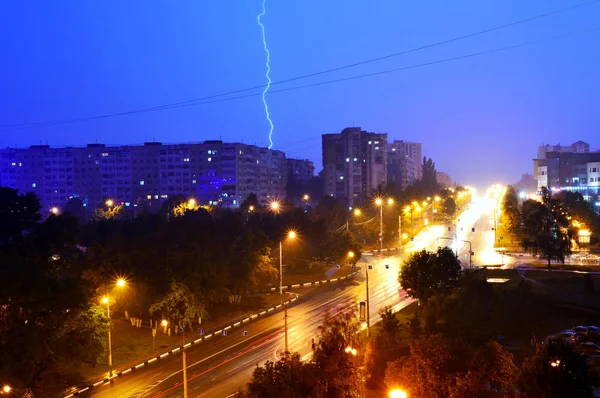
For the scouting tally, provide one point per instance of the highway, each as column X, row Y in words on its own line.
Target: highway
column 220, row 366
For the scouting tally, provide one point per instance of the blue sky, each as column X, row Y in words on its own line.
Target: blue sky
column 480, row 118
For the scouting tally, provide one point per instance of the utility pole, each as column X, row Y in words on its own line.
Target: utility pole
column 185, row 389
column 400, row 229
column 185, row 386
column 368, row 311
column 381, row 227
column 285, row 317
column 280, row 268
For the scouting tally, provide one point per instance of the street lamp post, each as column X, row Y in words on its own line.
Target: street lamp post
column 106, row 301
column 368, row 312
column 379, row 202
column 290, row 235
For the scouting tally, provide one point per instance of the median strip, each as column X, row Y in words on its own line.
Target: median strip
column 142, row 364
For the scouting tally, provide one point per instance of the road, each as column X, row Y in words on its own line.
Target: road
column 221, row 366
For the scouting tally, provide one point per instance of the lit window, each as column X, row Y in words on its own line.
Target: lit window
column 210, row 159
column 347, row 160
column 164, row 196
column 356, row 159
column 376, row 142
column 186, row 159
column 376, row 148
column 13, row 164
column 341, row 177
column 235, row 202
column 155, row 196
column 394, row 149
column 127, row 204
column 33, row 185
column 20, row 164
column 193, row 181
column 149, row 197
column 369, row 142
column 209, row 152
column 256, row 161
column 104, row 154
column 141, row 182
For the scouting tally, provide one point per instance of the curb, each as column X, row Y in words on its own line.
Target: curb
column 306, row 284
column 197, row 341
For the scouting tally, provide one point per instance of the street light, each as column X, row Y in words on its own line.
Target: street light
column 105, row 300
column 110, row 203
column 191, row 203
column 379, row 202
column 6, row 389
column 54, row 210
column 306, row 197
column 398, row 394
column 350, row 350
column 290, row 235
column 275, row 206
column 356, row 213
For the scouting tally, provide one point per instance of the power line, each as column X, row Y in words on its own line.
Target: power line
column 210, row 97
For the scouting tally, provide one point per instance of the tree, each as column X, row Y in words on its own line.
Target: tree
column 442, row 367
column 389, row 329
column 449, row 207
column 181, row 305
column 546, row 229
column 557, row 370
column 339, row 373
column 511, row 216
column 251, row 200
column 288, row 377
column 428, row 182
column 18, row 213
column 425, row 274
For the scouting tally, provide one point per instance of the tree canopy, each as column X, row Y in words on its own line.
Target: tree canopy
column 425, row 274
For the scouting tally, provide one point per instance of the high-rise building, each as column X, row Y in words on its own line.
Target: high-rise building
column 404, row 163
column 212, row 172
column 354, row 164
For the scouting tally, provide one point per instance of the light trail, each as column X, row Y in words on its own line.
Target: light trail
column 262, row 28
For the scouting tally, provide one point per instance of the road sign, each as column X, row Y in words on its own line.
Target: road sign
column 245, row 332
column 224, row 332
column 201, row 331
column 370, row 266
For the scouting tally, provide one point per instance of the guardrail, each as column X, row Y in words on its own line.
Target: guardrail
column 197, row 341
column 307, row 284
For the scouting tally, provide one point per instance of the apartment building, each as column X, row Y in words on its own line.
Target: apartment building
column 354, row 164
column 213, row 172
column 404, row 162
column 572, row 168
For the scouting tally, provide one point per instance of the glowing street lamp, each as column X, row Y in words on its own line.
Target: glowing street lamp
column 290, row 235
column 275, row 206
column 54, row 210
column 357, row 212
column 191, row 202
column 398, row 394
column 250, row 208
column 351, row 254
column 6, row 389
column 350, row 350
column 121, row 282
column 306, row 197
column 110, row 203
column 105, row 300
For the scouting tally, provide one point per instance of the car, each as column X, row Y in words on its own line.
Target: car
column 587, row 333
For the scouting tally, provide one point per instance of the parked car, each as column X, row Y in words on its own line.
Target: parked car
column 568, row 335
column 587, row 333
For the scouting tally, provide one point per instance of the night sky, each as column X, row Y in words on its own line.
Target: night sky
column 480, row 119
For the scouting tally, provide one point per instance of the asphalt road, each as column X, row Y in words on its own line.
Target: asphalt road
column 220, row 366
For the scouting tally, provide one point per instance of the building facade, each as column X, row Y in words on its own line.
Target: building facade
column 404, row 162
column 576, row 170
column 354, row 164
column 212, row 172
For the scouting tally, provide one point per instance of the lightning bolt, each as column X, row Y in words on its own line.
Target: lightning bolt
column 268, row 86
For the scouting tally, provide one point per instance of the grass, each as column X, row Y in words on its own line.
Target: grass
column 132, row 345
